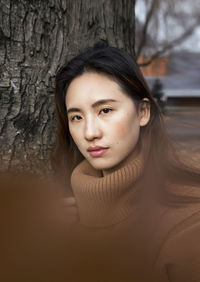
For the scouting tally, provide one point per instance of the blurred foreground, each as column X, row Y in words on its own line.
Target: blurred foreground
column 37, row 244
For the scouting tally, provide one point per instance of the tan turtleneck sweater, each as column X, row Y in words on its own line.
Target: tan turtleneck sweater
column 157, row 238
column 105, row 200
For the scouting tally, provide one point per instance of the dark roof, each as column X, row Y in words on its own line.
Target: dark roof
column 183, row 72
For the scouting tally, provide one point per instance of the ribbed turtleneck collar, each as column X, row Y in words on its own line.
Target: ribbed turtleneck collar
column 105, row 200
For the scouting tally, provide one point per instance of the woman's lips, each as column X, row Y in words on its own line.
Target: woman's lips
column 98, row 153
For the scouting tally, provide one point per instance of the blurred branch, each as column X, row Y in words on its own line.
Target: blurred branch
column 164, row 18
column 150, row 13
column 170, row 45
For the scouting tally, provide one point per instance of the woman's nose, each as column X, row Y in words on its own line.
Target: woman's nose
column 92, row 130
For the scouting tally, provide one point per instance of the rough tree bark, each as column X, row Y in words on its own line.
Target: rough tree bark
column 36, row 38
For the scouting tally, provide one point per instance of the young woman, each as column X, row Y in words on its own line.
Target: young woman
column 112, row 151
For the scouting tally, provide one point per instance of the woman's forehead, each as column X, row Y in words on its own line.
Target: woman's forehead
column 90, row 87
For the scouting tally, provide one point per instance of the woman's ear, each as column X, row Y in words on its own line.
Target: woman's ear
column 144, row 112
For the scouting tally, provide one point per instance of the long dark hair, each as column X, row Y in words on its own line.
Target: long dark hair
column 161, row 157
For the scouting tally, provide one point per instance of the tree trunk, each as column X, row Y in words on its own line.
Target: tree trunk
column 36, row 38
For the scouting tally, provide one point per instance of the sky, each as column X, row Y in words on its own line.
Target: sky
column 192, row 43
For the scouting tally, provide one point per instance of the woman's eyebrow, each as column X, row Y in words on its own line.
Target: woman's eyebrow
column 94, row 105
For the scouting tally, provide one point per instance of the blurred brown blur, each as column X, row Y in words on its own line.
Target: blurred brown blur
column 26, row 226
column 37, row 245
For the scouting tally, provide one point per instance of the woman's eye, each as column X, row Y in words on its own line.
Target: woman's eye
column 106, row 110
column 73, row 118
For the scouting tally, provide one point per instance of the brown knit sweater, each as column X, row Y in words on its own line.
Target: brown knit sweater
column 157, row 241
column 105, row 201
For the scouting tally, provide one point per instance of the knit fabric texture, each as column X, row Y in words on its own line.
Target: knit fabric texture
column 106, row 200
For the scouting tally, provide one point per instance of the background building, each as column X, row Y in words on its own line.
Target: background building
column 179, row 75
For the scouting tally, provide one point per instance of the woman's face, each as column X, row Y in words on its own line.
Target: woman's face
column 100, row 114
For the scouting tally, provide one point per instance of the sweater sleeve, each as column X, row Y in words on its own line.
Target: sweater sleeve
column 179, row 258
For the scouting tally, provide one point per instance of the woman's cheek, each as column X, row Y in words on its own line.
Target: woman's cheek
column 120, row 129
column 75, row 136
column 123, row 126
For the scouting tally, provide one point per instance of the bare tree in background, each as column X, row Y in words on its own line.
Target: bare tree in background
column 164, row 25
column 36, row 38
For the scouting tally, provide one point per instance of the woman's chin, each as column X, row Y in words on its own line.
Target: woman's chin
column 101, row 164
